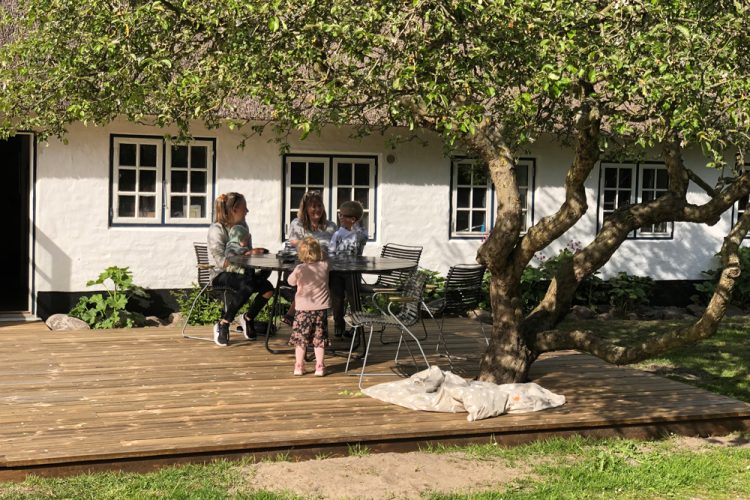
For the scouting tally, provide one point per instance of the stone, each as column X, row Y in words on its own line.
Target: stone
column 60, row 322
column 482, row 316
column 152, row 321
column 733, row 310
column 673, row 313
column 175, row 320
column 695, row 310
column 582, row 312
column 649, row 313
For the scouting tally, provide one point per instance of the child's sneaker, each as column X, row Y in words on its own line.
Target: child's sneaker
column 248, row 328
column 320, row 371
column 221, row 334
column 299, row 370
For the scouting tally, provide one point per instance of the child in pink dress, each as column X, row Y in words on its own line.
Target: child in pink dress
column 310, row 326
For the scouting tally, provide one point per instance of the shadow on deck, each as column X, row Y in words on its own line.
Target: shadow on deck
column 142, row 398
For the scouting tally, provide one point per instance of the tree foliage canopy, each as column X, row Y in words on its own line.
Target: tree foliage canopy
column 622, row 77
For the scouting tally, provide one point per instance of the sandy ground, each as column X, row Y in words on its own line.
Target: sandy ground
column 409, row 475
column 384, row 475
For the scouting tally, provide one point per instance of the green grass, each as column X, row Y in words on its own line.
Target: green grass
column 615, row 468
column 558, row 468
column 720, row 364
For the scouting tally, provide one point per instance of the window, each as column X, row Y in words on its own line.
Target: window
column 472, row 196
column 154, row 182
column 338, row 178
column 623, row 184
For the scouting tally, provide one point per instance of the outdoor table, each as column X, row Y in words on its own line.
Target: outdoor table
column 352, row 266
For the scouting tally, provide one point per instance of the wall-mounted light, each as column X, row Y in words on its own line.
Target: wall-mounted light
column 390, row 158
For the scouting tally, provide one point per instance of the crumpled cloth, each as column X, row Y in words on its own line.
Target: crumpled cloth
column 436, row 390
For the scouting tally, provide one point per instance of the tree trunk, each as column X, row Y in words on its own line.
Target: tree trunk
column 508, row 357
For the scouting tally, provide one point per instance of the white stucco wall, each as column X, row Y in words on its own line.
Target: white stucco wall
column 73, row 241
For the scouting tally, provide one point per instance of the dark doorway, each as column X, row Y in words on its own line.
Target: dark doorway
column 15, row 169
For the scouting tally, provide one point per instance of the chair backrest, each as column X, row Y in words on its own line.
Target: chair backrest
column 413, row 288
column 463, row 288
column 204, row 268
column 396, row 278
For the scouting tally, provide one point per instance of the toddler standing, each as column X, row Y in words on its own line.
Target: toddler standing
column 312, row 300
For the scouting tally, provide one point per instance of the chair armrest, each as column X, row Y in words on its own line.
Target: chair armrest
column 401, row 299
column 430, row 287
column 205, row 266
column 384, row 291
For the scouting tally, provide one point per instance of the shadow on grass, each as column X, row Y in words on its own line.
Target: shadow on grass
column 719, row 364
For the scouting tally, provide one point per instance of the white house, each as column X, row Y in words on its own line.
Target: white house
column 122, row 195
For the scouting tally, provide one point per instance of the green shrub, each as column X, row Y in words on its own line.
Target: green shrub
column 208, row 309
column 626, row 292
column 741, row 291
column 101, row 311
column 434, row 286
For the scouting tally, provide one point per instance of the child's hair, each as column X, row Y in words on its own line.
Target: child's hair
column 308, row 198
column 309, row 250
column 223, row 206
column 238, row 234
column 352, row 208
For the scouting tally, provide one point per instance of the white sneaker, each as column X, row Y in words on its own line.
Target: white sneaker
column 221, row 335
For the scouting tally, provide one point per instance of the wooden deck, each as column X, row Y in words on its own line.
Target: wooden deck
column 142, row 398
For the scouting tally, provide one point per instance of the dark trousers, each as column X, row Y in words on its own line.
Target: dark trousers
column 243, row 286
column 341, row 290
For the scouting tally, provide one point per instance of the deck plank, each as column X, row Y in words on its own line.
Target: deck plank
column 71, row 400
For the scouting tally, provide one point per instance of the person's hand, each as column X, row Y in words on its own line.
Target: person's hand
column 259, row 251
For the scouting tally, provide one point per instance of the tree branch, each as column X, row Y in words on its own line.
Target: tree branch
column 704, row 327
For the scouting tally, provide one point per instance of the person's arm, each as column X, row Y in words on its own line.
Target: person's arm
column 292, row 278
column 296, row 232
column 334, row 241
column 217, row 244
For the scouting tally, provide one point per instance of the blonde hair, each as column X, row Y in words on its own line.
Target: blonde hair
column 309, row 250
column 223, row 206
column 308, row 198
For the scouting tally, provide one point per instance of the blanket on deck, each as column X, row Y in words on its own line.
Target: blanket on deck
column 436, row 390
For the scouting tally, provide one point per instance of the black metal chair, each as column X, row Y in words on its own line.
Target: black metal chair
column 204, row 282
column 409, row 303
column 463, row 293
column 393, row 280
column 391, row 283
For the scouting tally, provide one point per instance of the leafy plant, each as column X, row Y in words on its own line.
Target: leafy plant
column 208, row 310
column 626, row 291
column 536, row 279
column 434, row 286
column 741, row 291
column 109, row 310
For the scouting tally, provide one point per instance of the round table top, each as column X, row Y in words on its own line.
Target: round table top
column 341, row 263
